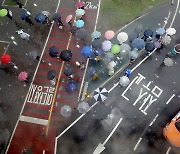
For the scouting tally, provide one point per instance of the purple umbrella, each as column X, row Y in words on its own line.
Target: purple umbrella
column 106, row 45
column 157, row 44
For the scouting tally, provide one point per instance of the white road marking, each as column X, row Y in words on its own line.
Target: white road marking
column 31, row 82
column 137, row 144
column 168, row 150
column 44, row 151
column 153, row 120
column 33, row 120
column 170, row 99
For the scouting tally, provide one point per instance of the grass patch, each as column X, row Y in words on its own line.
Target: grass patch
column 13, row 2
column 119, row 12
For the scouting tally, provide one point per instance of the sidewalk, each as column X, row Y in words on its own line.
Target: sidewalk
column 30, row 133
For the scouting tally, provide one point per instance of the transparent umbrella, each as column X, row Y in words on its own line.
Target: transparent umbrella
column 166, row 40
column 83, row 107
column 108, row 58
column 170, row 31
column 168, row 62
column 124, row 81
column 66, row 111
column 133, row 54
column 111, row 65
column 122, row 37
column 125, row 48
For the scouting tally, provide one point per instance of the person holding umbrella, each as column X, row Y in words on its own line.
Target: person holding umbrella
column 51, row 75
column 26, row 16
column 46, row 14
column 23, row 35
column 23, row 77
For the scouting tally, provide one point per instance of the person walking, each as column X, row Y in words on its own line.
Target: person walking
column 23, row 35
column 28, row 19
column 46, row 14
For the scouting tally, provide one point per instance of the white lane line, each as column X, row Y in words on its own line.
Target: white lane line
column 168, row 150
column 31, row 82
column 97, row 16
column 153, row 120
column 137, row 144
column 174, row 14
column 170, row 99
column 33, row 120
column 44, row 151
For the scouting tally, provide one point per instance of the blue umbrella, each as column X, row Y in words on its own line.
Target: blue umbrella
column 79, row 23
column 138, row 43
column 128, row 72
column 148, row 33
column 96, row 44
column 160, row 31
column 40, row 18
column 53, row 51
column 92, row 71
column 71, row 87
column 149, row 47
column 24, row 15
column 87, row 51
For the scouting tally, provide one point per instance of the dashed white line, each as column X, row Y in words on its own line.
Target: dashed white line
column 170, row 99
column 137, row 144
column 168, row 150
column 153, row 120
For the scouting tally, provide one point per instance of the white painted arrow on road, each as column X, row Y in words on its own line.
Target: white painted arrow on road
column 100, row 148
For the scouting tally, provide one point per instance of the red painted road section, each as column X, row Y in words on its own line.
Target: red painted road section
column 31, row 136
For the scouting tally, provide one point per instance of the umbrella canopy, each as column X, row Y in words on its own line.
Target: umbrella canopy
column 160, row 31
column 3, row 12
column 81, row 34
column 46, row 13
column 92, row 71
column 124, row 81
column 111, row 65
column 40, row 18
column 53, row 51
column 87, row 51
column 170, row 31
column 79, row 23
column 115, row 49
column 125, row 48
column 51, row 75
column 157, row 44
column 68, row 71
column 68, row 18
column 33, row 55
column 5, row 59
column 149, row 47
column 168, row 62
column 148, row 33
column 80, row 12
column 133, row 54
column 80, row 4
column 109, row 34
column 166, row 40
column 96, row 44
column 122, row 37
column 133, row 36
column 22, row 76
column 96, row 35
column 66, row 111
column 106, row 45
column 138, row 43
column 128, row 72
column 108, row 58
column 56, row 16
column 24, row 15
column 71, row 87
column 177, row 48
column 66, row 55
column 100, row 94
column 83, row 107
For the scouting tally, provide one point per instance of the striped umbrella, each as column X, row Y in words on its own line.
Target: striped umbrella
column 100, row 94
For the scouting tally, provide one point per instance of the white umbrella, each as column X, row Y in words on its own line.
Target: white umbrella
column 166, row 40
column 111, row 65
column 124, row 81
column 66, row 111
column 170, row 31
column 122, row 37
column 168, row 62
column 83, row 107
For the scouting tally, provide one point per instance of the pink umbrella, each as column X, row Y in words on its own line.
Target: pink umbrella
column 68, row 18
column 80, row 4
column 109, row 34
column 22, row 76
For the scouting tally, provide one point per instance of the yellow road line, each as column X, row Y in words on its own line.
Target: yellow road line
column 59, row 77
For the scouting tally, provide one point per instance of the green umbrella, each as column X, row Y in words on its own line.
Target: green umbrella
column 115, row 49
column 3, row 12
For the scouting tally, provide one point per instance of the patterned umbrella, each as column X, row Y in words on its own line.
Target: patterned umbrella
column 100, row 94
column 109, row 34
column 23, row 76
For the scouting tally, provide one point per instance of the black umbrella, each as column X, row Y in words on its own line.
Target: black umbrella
column 56, row 16
column 51, row 75
column 33, row 55
column 149, row 47
column 148, row 33
column 53, row 51
column 68, row 71
column 96, row 44
column 66, row 55
column 81, row 34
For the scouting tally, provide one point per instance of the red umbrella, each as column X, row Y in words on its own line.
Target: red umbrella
column 68, row 18
column 22, row 76
column 5, row 59
column 80, row 4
